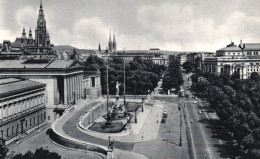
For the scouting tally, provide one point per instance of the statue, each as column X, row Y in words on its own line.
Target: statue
column 117, row 88
column 110, row 143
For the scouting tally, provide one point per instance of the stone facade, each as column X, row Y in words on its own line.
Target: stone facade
column 22, row 107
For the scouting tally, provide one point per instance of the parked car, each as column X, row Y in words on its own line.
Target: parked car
column 199, row 111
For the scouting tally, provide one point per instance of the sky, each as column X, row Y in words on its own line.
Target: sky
column 177, row 25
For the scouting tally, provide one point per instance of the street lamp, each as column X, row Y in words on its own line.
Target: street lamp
column 179, row 107
column 108, row 116
column 124, row 78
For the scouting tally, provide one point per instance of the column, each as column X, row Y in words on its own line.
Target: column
column 1, row 108
column 65, row 90
column 77, row 81
column 69, row 89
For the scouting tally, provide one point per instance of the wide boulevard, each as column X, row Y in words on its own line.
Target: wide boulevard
column 204, row 143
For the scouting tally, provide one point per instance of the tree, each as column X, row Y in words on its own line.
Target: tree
column 3, row 149
column 38, row 154
column 188, row 66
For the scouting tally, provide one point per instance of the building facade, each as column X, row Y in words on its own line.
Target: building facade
column 22, row 107
column 26, row 45
column 91, row 85
column 63, row 79
column 243, row 59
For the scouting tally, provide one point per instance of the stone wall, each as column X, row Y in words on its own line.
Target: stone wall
column 93, row 114
column 62, row 140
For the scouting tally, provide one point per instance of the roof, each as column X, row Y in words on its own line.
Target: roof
column 9, row 86
column 52, row 64
column 251, row 46
column 230, row 48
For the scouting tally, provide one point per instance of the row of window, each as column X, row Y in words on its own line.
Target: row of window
column 20, row 106
column 252, row 53
column 20, row 128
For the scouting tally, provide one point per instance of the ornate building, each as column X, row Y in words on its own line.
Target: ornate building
column 242, row 59
column 22, row 107
column 41, row 43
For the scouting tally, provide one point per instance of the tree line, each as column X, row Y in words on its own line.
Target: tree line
column 173, row 77
column 141, row 75
column 237, row 104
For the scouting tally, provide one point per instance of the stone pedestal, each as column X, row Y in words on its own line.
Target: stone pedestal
column 117, row 97
column 110, row 153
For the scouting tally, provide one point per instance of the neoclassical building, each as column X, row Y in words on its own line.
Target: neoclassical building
column 243, row 59
column 22, row 107
column 63, row 79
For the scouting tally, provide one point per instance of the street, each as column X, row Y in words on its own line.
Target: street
column 205, row 145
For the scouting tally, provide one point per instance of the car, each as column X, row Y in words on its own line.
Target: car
column 196, row 98
column 194, row 102
column 199, row 111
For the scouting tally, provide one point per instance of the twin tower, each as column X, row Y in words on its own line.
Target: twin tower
column 112, row 45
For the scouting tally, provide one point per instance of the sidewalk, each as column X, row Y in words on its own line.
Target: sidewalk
column 146, row 128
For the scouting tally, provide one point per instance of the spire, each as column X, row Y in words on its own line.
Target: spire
column 99, row 48
column 30, row 33
column 41, row 20
column 114, row 42
column 24, row 34
column 110, row 44
column 110, row 36
column 114, row 37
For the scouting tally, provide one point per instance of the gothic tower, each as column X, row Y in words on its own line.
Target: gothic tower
column 41, row 35
column 23, row 40
column 110, row 44
column 114, row 42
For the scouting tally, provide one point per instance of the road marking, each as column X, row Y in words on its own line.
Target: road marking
column 202, row 132
column 191, row 135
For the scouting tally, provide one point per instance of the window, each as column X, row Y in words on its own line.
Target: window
column 7, row 132
column 93, row 81
column 12, row 130
column 45, row 115
column 30, row 122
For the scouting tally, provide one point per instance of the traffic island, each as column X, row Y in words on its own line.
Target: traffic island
column 103, row 127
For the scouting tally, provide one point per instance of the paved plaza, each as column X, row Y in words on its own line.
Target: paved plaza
column 148, row 138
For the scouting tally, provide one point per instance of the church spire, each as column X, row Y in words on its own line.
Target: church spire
column 110, row 44
column 24, row 34
column 99, row 48
column 114, row 42
column 30, row 33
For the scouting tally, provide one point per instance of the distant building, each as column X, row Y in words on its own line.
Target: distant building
column 181, row 58
column 243, row 59
column 24, row 45
column 155, row 55
column 63, row 79
column 22, row 107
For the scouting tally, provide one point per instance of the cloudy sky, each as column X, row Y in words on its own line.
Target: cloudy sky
column 183, row 25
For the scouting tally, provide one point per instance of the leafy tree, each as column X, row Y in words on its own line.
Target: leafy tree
column 3, row 149
column 188, row 66
column 38, row 154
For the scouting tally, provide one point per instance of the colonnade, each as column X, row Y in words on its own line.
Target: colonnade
column 20, row 104
column 72, row 87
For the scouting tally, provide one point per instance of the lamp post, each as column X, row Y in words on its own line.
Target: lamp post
column 124, row 78
column 108, row 116
column 179, row 107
